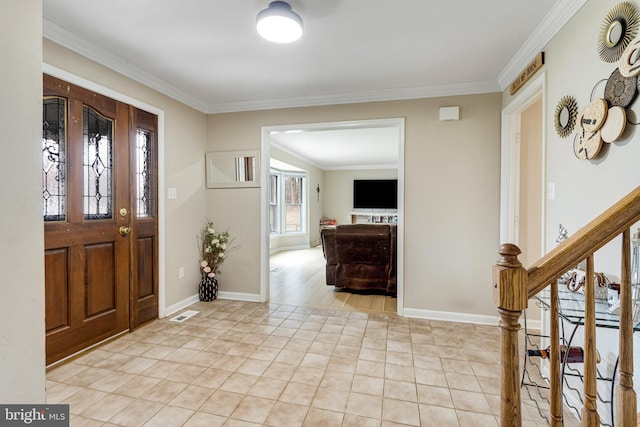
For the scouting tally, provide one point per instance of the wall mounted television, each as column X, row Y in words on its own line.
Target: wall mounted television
column 375, row 194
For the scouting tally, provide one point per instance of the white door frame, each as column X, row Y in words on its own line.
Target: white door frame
column 510, row 161
column 264, row 194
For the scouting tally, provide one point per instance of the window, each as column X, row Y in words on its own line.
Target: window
column 274, row 196
column 287, row 202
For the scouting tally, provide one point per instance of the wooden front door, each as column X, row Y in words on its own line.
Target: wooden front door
column 100, row 270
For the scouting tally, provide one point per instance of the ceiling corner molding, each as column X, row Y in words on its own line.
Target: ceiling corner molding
column 362, row 167
column 397, row 94
column 557, row 17
column 63, row 37
column 296, row 155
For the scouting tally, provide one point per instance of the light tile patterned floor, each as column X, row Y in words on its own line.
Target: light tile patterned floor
column 250, row 364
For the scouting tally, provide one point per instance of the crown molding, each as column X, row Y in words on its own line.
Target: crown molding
column 296, row 155
column 362, row 167
column 557, row 17
column 67, row 39
column 397, row 94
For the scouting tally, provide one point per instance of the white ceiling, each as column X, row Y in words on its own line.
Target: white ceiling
column 208, row 55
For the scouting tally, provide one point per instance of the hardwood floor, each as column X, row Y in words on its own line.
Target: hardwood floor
column 297, row 277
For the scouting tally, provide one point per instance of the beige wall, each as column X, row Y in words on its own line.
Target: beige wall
column 183, row 140
column 22, row 355
column 338, row 191
column 452, row 172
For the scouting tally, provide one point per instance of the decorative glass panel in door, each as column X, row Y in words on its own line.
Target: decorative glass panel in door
column 97, row 165
column 54, row 114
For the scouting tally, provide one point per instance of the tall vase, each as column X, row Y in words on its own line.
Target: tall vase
column 208, row 290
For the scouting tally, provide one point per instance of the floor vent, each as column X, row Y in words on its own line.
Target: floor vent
column 184, row 316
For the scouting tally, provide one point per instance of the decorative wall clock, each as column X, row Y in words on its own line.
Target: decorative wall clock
column 618, row 28
column 565, row 116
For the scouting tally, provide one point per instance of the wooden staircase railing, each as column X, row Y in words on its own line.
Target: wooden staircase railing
column 514, row 286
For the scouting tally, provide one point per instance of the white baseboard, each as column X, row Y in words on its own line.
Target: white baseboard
column 532, row 325
column 288, row 248
column 451, row 316
column 168, row 311
column 235, row 296
column 239, row 296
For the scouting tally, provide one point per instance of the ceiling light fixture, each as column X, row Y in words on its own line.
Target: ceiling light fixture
column 278, row 23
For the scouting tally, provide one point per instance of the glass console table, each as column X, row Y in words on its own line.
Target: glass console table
column 571, row 312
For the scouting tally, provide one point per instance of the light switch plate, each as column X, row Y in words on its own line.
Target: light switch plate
column 172, row 193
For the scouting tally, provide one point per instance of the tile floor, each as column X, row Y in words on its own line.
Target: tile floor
column 250, row 364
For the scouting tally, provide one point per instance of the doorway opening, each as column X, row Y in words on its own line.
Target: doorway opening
column 292, row 144
column 523, row 177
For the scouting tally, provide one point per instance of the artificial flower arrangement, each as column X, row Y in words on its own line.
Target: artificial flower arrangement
column 215, row 246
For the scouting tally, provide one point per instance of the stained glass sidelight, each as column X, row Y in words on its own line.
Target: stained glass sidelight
column 54, row 113
column 144, row 172
column 97, row 165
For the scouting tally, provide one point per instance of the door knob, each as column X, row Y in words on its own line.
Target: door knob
column 124, row 230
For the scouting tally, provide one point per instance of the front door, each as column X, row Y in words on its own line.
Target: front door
column 100, row 270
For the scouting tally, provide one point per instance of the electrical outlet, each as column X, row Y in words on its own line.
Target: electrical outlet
column 181, row 273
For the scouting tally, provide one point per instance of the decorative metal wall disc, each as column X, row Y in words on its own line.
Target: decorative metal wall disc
column 587, row 145
column 620, row 90
column 594, row 115
column 565, row 116
column 629, row 64
column 614, row 127
column 618, row 28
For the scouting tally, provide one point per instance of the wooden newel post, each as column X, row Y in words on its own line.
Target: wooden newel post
column 510, row 295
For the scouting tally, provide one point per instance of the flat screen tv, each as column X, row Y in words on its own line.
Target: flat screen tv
column 375, row 194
